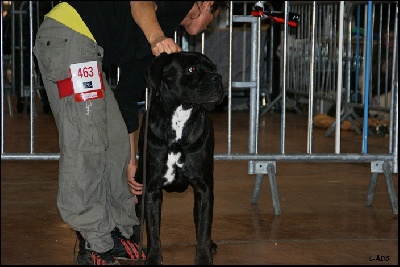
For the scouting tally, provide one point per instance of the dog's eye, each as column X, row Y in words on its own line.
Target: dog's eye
column 192, row 69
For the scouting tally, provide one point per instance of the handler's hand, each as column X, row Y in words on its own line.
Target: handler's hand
column 135, row 187
column 164, row 44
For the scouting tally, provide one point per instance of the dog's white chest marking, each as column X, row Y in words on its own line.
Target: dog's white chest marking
column 172, row 160
column 179, row 118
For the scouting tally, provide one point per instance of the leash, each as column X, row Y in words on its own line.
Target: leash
column 146, row 126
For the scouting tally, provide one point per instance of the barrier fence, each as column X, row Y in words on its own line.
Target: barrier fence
column 317, row 67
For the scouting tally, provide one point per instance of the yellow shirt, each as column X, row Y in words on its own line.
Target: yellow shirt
column 67, row 15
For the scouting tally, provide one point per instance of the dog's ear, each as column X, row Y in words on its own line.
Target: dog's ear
column 154, row 72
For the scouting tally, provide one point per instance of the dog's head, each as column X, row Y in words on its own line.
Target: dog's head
column 189, row 78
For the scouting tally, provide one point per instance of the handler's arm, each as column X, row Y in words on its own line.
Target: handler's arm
column 144, row 14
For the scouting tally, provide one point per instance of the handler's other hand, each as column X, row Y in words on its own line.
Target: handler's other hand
column 135, row 187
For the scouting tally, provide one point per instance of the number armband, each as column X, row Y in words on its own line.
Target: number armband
column 86, row 82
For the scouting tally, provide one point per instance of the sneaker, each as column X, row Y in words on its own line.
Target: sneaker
column 105, row 258
column 88, row 257
column 84, row 255
column 124, row 248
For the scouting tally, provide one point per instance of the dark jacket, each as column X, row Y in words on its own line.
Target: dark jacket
column 125, row 45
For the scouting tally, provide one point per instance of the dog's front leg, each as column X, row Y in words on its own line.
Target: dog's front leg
column 203, row 213
column 153, row 214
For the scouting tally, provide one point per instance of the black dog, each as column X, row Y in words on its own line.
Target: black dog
column 180, row 143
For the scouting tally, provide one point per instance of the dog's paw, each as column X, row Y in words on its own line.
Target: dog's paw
column 153, row 259
column 204, row 259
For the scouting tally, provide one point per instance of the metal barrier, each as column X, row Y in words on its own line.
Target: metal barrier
column 265, row 163
column 326, row 51
column 22, row 19
column 261, row 164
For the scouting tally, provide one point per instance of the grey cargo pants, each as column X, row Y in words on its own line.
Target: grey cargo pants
column 93, row 194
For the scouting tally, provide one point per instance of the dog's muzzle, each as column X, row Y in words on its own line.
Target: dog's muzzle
column 217, row 97
column 218, row 94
